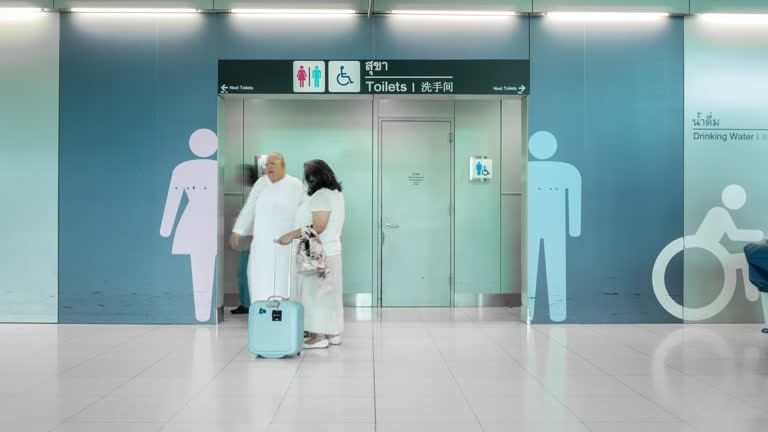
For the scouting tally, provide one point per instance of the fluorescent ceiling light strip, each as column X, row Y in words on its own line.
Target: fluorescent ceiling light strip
column 294, row 11
column 736, row 18
column 134, row 10
column 607, row 16
column 14, row 11
column 19, row 13
column 452, row 12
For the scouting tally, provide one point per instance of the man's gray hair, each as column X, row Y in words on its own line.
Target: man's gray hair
column 277, row 155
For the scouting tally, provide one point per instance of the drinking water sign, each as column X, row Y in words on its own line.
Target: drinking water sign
column 427, row 77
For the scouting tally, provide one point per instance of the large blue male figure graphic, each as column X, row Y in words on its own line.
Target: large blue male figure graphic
column 554, row 191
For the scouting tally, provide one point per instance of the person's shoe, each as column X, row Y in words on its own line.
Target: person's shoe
column 240, row 310
column 316, row 343
column 335, row 340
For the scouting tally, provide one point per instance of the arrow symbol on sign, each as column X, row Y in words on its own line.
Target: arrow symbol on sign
column 224, row 88
column 521, row 89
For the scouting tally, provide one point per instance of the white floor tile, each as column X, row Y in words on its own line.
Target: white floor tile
column 341, row 369
column 64, row 385
column 667, row 388
column 338, row 427
column 730, row 425
column 325, row 410
column 537, row 427
column 542, row 408
column 171, row 388
column 43, row 406
column 217, row 409
column 416, row 369
column 427, row 427
column 304, row 387
column 110, row 426
column 474, row 387
column 586, row 385
column 617, row 409
column 130, row 410
column 29, row 425
column 752, row 388
column 214, row 427
column 640, row 427
column 423, row 409
column 397, row 385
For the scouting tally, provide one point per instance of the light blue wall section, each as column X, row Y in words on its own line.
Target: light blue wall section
column 474, row 5
column 729, row 6
column 265, row 37
column 671, row 6
column 477, row 243
column 612, row 95
column 194, row 4
column 134, row 88
column 26, row 3
column 29, row 138
column 430, row 37
column 358, row 5
column 726, row 143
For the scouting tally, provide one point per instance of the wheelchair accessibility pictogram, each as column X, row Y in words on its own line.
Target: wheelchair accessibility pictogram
column 343, row 79
column 717, row 222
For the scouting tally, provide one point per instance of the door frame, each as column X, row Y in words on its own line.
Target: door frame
column 378, row 214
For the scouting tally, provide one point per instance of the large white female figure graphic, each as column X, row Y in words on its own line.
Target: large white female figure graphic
column 196, row 232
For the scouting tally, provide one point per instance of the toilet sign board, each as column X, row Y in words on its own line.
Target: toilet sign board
column 480, row 169
column 424, row 77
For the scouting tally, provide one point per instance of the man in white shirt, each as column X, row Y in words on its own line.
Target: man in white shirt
column 269, row 212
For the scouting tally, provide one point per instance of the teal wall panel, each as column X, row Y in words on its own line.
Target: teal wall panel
column 475, row 5
column 358, row 5
column 29, row 128
column 610, row 95
column 729, row 6
column 195, row 4
column 434, row 38
column 134, row 91
column 26, row 4
column 671, row 6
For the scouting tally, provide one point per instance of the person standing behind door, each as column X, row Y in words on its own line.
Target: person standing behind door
column 268, row 212
column 322, row 297
column 250, row 176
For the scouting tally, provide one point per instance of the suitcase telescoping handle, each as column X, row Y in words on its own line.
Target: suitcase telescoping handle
column 274, row 300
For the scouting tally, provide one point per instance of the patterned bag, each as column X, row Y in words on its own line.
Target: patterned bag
column 311, row 257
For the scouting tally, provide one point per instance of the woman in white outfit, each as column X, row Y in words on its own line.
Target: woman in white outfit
column 322, row 297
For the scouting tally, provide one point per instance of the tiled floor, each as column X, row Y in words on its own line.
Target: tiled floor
column 399, row 370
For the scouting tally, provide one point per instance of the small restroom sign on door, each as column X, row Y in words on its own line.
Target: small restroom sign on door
column 480, row 169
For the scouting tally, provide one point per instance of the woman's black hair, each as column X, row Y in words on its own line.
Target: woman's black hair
column 319, row 175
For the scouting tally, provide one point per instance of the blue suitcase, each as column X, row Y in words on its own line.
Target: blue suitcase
column 275, row 328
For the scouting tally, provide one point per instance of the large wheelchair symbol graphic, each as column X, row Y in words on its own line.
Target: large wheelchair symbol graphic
column 717, row 222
